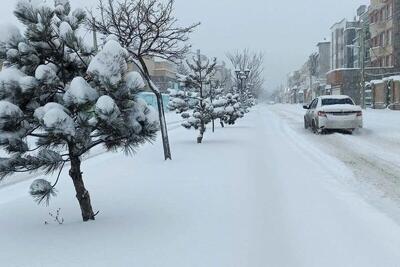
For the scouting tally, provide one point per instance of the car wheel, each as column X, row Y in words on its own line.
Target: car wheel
column 314, row 127
column 306, row 126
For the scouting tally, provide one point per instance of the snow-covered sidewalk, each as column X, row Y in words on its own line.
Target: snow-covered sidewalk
column 261, row 193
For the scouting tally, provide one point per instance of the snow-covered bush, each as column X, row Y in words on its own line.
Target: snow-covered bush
column 58, row 100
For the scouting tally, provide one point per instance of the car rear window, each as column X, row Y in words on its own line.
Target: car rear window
column 333, row 101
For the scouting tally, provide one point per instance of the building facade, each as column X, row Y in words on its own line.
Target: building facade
column 163, row 73
column 343, row 34
column 324, row 59
column 384, row 28
column 362, row 41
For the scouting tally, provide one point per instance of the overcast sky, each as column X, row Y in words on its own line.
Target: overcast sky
column 286, row 31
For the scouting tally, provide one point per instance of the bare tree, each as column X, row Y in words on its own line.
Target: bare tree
column 255, row 63
column 147, row 29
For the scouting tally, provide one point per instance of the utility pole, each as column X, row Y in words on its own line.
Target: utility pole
column 362, row 63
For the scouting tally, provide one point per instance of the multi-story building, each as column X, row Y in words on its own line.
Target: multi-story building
column 324, row 59
column 362, row 41
column 163, row 73
column 322, row 68
column 343, row 34
column 383, row 28
column 349, row 43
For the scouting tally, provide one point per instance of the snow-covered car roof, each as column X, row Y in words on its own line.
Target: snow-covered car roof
column 334, row 97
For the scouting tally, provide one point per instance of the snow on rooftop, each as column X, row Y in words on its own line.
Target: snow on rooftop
column 376, row 81
column 342, row 69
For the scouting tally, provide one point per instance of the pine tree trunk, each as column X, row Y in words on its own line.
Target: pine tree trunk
column 81, row 193
column 200, row 138
column 222, row 124
column 202, row 131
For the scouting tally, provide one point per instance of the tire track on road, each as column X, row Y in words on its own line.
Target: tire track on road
column 376, row 170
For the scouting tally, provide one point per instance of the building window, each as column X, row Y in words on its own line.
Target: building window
column 382, row 41
column 390, row 10
column 389, row 37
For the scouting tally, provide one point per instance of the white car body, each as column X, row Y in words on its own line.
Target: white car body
column 333, row 112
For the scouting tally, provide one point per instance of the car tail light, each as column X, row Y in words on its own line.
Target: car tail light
column 359, row 113
column 321, row 114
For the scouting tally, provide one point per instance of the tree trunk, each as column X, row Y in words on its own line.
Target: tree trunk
column 163, row 125
column 222, row 124
column 202, row 131
column 200, row 138
column 213, row 125
column 81, row 193
column 160, row 106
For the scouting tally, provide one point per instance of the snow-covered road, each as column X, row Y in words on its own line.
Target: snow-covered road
column 373, row 153
column 262, row 193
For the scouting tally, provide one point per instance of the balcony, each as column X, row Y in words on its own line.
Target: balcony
column 377, row 6
column 377, row 52
column 379, row 27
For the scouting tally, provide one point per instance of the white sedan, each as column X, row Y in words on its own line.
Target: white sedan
column 333, row 113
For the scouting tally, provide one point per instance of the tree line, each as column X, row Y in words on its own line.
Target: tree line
column 60, row 97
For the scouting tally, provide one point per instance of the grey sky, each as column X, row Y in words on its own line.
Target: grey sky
column 286, row 31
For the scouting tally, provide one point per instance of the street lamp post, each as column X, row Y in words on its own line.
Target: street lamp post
column 242, row 75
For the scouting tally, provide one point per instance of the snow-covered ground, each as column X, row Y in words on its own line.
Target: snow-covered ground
column 262, row 193
column 372, row 153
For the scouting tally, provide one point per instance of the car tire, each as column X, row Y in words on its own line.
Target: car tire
column 314, row 127
column 306, row 126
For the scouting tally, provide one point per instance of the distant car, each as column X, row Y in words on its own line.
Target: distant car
column 333, row 113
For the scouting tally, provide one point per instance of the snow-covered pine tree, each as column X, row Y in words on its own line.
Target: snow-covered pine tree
column 233, row 109
column 247, row 100
column 182, row 99
column 178, row 100
column 201, row 70
column 219, row 111
column 57, row 101
column 218, row 101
